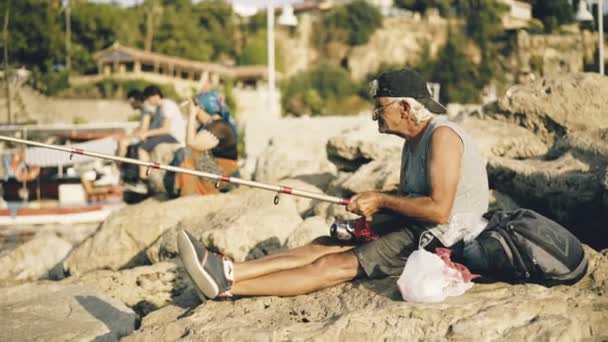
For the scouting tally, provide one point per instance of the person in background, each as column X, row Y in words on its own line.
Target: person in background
column 136, row 99
column 166, row 125
column 211, row 144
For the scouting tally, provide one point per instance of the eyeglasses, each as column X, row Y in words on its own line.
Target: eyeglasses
column 379, row 110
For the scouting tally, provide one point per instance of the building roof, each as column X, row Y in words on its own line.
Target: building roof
column 120, row 53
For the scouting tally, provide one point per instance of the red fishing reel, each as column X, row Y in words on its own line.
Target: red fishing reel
column 357, row 230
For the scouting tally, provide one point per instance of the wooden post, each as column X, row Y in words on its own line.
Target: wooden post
column 6, row 71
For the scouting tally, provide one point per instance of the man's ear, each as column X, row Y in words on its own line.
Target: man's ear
column 405, row 108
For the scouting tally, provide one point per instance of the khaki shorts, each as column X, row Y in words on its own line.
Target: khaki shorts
column 387, row 255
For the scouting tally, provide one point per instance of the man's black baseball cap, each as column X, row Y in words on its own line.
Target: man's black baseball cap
column 405, row 83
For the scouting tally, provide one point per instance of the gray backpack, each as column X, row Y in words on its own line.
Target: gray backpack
column 522, row 246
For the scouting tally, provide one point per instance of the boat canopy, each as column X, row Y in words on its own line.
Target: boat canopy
column 43, row 157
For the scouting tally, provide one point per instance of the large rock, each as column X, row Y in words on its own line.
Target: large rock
column 389, row 46
column 498, row 200
column 372, row 310
column 34, row 259
column 303, row 204
column 501, row 139
column 378, row 175
column 59, row 312
column 144, row 288
column 362, row 144
column 558, row 104
column 162, row 154
column 566, row 189
column 312, row 228
column 122, row 239
column 242, row 224
column 296, row 147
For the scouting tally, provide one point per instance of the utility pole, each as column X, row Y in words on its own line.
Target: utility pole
column 600, row 19
column 68, row 35
column 6, row 71
column 271, row 61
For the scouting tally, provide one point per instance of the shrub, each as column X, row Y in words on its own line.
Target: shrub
column 51, row 82
column 536, row 64
column 255, row 51
column 311, row 91
column 353, row 24
column 553, row 13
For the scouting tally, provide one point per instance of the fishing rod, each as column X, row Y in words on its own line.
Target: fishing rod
column 279, row 189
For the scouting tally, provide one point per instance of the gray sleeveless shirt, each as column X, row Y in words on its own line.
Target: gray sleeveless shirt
column 472, row 195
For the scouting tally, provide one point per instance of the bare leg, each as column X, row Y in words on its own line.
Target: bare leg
column 122, row 146
column 327, row 271
column 144, row 157
column 289, row 259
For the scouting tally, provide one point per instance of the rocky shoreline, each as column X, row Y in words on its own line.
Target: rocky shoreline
column 546, row 150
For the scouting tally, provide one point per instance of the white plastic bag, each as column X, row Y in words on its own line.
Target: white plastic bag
column 463, row 226
column 426, row 278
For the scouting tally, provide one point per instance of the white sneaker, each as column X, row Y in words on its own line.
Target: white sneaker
column 139, row 187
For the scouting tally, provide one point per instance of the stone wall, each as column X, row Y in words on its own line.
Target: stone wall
column 551, row 54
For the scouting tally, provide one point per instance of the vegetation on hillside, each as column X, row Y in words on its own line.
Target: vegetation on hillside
column 318, row 91
column 211, row 31
column 351, row 24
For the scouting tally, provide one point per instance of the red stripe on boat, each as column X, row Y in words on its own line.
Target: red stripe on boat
column 286, row 190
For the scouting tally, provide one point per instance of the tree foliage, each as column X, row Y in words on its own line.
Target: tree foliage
column 255, row 51
column 96, row 26
column 444, row 6
column 312, row 91
column 553, row 13
column 353, row 23
column 34, row 36
column 460, row 79
column 482, row 19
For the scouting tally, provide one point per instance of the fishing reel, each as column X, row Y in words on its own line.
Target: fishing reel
column 354, row 231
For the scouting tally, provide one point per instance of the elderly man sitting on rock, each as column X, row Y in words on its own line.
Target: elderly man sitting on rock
column 443, row 176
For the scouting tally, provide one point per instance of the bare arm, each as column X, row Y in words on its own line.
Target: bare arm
column 202, row 140
column 164, row 129
column 444, row 173
column 144, row 124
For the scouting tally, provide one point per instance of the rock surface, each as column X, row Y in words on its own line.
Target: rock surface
column 241, row 224
column 162, row 154
column 297, row 147
column 144, row 288
column 312, row 228
column 57, row 312
column 558, row 104
column 373, row 310
column 34, row 259
column 123, row 237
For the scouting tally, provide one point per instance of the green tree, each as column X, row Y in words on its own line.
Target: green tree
column 96, row 26
column 353, row 23
column 444, row 6
column 203, row 31
column 553, row 13
column 255, row 51
column 310, row 92
column 457, row 74
column 482, row 19
column 35, row 36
